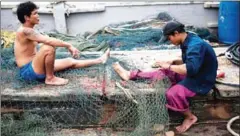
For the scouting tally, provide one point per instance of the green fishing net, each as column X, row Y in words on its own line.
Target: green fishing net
column 92, row 103
column 92, row 99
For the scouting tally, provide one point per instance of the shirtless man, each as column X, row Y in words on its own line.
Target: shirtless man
column 194, row 73
column 41, row 65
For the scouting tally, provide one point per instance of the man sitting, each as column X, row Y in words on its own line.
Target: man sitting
column 41, row 65
column 194, row 73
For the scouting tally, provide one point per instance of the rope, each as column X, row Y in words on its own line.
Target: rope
column 229, row 84
column 232, row 53
column 229, row 126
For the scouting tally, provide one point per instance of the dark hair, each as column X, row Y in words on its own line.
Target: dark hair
column 25, row 9
column 179, row 30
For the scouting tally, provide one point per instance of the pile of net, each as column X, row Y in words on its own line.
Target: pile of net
column 131, row 35
column 94, row 98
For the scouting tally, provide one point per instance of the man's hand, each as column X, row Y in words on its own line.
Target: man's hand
column 74, row 51
column 162, row 64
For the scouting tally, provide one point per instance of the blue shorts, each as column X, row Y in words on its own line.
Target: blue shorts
column 27, row 73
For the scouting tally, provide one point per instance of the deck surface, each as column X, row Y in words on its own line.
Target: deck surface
column 91, row 80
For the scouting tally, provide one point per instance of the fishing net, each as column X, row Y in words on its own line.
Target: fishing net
column 142, row 35
column 95, row 98
column 130, row 35
column 96, row 101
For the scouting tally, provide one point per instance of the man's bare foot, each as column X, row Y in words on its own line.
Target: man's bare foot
column 187, row 123
column 169, row 133
column 56, row 81
column 105, row 56
column 124, row 74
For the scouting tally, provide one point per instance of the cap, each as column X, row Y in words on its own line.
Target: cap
column 169, row 28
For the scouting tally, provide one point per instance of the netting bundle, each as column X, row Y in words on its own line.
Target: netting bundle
column 95, row 101
column 95, row 98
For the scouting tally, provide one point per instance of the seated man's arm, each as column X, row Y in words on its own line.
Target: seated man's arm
column 170, row 61
column 195, row 58
column 180, row 69
column 34, row 36
column 177, row 61
column 193, row 63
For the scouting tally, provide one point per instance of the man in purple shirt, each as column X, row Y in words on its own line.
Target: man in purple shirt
column 191, row 74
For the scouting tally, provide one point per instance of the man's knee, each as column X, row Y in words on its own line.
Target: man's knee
column 169, row 94
column 172, row 92
column 48, row 49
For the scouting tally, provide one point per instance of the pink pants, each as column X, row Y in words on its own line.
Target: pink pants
column 177, row 95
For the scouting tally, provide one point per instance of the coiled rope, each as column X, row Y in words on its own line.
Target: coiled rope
column 232, row 54
column 229, row 126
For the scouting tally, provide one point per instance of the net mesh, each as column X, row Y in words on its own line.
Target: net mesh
column 94, row 98
column 96, row 101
